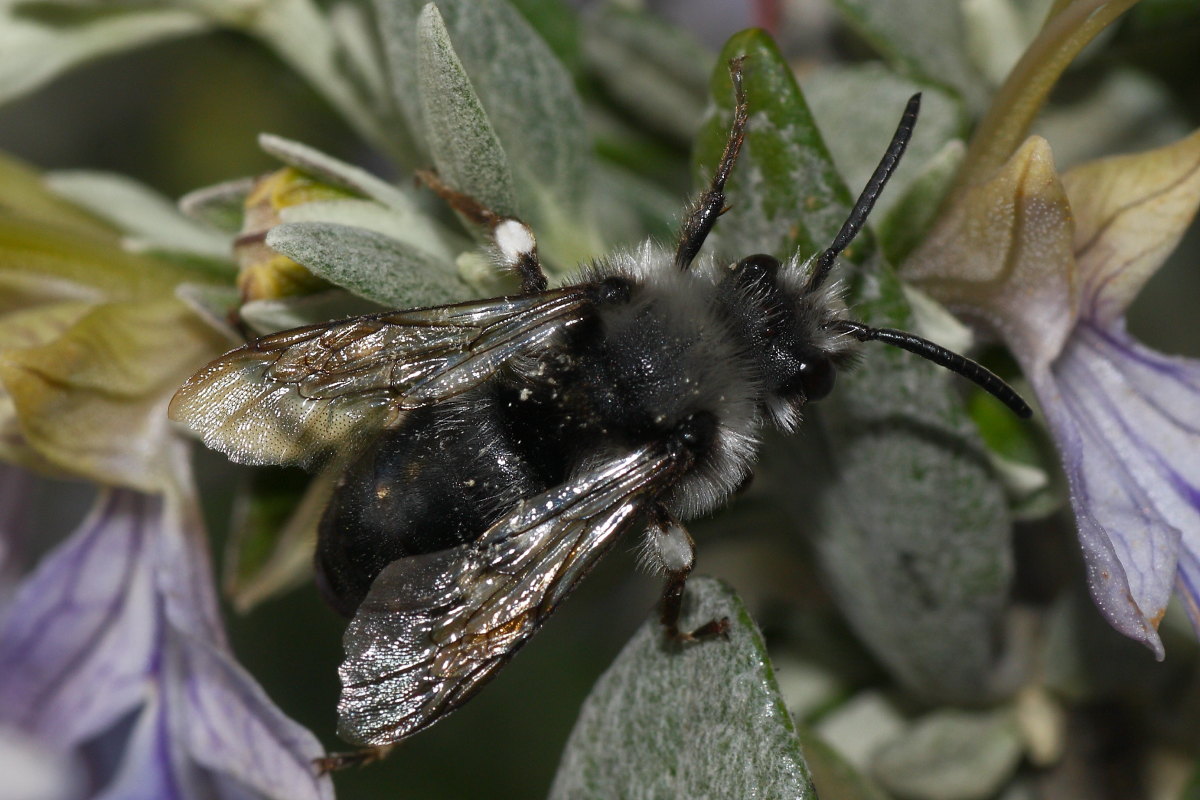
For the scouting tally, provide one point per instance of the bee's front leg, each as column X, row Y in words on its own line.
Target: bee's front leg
column 703, row 213
column 514, row 240
column 671, row 547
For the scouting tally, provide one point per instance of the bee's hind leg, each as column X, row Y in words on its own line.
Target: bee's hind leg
column 671, row 546
column 333, row 762
column 514, row 240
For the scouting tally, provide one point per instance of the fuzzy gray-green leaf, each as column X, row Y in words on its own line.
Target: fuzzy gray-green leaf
column 334, row 171
column 369, row 264
column 529, row 98
column 912, row 528
column 702, row 720
column 40, row 41
column 785, row 195
column 858, row 132
column 654, row 71
column 959, row 754
column 923, row 38
column 465, row 149
column 150, row 219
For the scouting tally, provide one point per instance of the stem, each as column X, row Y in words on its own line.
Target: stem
column 1069, row 27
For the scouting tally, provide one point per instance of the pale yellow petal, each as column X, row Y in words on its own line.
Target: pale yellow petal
column 1130, row 212
column 92, row 402
column 1002, row 256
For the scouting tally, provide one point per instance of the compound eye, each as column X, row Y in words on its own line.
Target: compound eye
column 817, row 375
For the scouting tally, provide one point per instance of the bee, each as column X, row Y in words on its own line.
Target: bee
column 496, row 449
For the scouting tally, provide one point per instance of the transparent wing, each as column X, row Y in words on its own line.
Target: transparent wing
column 296, row 396
column 435, row 628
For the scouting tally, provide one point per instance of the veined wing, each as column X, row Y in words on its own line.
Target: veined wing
column 435, row 628
column 296, row 396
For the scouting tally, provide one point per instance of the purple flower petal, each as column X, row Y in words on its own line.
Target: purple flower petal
column 229, row 725
column 1124, row 418
column 121, row 619
column 79, row 636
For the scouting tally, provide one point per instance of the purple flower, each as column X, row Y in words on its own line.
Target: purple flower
column 1050, row 265
column 114, row 642
column 112, row 654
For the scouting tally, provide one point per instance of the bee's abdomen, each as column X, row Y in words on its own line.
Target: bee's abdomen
column 437, row 482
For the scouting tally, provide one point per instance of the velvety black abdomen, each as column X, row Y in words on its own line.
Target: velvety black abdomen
column 437, row 482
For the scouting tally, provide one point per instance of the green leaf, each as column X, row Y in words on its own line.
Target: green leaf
column 913, row 530
column 557, row 22
column 411, row 227
column 530, row 102
column 785, row 194
column 39, row 41
column 701, row 720
column 369, row 264
column 858, row 132
column 925, row 39
column 833, row 775
column 959, row 754
column 326, row 168
column 654, row 71
column 151, row 220
column 905, row 224
column 468, row 155
column 272, row 316
column 274, row 532
column 223, row 205
column 215, row 305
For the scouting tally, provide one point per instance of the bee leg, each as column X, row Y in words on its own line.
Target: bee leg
column 672, row 546
column 514, row 240
column 354, row 758
column 704, row 212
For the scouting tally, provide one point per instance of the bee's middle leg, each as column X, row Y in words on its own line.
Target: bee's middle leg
column 514, row 240
column 675, row 552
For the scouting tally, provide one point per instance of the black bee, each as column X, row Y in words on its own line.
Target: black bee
column 498, row 448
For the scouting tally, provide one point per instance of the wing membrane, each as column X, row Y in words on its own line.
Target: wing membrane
column 297, row 396
column 435, row 628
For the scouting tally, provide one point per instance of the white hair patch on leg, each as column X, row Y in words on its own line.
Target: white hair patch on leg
column 515, row 241
column 672, row 547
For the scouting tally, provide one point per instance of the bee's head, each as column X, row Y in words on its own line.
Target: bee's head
column 785, row 329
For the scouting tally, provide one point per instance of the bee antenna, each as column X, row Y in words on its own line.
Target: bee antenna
column 980, row 375
column 866, row 201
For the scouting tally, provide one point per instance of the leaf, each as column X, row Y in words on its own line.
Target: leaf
column 270, row 548
column 785, row 194
column 960, row 754
column 654, row 71
column 369, row 264
column 910, row 218
column 460, row 137
column 702, row 720
column 833, row 775
column 922, row 569
column 151, row 219
column 558, row 24
column 411, row 228
column 328, row 169
column 530, row 102
column 280, row 314
column 223, row 205
column 923, row 38
column 858, row 132
column 39, row 41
